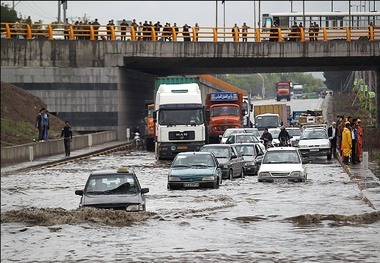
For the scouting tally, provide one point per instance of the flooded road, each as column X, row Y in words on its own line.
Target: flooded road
column 321, row 220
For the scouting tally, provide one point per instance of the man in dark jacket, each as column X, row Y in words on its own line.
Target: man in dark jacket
column 267, row 138
column 332, row 132
column 67, row 135
column 39, row 124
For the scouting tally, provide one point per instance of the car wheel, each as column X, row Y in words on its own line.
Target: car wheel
column 216, row 183
column 329, row 157
column 231, row 174
column 242, row 173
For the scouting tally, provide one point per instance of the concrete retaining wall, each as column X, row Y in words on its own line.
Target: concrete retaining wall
column 32, row 151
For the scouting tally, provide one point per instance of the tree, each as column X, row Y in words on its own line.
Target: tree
column 8, row 15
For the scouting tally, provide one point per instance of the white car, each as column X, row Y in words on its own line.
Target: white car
column 314, row 142
column 275, row 132
column 282, row 163
column 229, row 132
column 295, row 134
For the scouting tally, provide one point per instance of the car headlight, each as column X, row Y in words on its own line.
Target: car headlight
column 325, row 146
column 302, row 146
column 134, row 208
column 174, row 179
column 264, row 174
column 296, row 173
column 208, row 178
column 250, row 163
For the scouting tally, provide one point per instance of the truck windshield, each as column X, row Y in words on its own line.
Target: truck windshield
column 181, row 117
column 266, row 122
column 224, row 111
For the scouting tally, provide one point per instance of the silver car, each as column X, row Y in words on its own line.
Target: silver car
column 314, row 142
column 231, row 163
column 282, row 163
column 113, row 189
column 252, row 155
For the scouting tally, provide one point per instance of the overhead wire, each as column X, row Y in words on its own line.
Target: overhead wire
column 37, row 10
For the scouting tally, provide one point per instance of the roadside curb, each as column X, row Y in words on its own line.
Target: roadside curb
column 370, row 195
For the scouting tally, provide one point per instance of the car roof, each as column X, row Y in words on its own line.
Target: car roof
column 112, row 172
column 194, row 153
column 292, row 128
column 244, row 143
column 221, row 145
column 281, row 149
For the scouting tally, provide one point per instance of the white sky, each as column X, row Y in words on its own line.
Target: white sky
column 181, row 12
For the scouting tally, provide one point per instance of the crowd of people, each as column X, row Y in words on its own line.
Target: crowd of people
column 346, row 135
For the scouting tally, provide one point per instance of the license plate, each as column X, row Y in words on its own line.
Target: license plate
column 280, row 180
column 191, row 184
column 182, row 147
column 314, row 150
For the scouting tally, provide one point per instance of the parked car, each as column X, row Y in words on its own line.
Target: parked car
column 295, row 134
column 229, row 132
column 113, row 189
column 314, row 142
column 194, row 170
column 230, row 162
column 241, row 137
column 252, row 155
column 282, row 163
column 275, row 132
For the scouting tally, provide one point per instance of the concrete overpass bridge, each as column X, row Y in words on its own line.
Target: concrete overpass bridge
column 100, row 85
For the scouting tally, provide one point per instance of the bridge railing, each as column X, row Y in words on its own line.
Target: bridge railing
column 201, row 34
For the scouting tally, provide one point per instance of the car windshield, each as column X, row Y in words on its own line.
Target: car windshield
column 225, row 111
column 281, row 157
column 274, row 132
column 111, row 184
column 229, row 132
column 294, row 132
column 193, row 160
column 314, row 134
column 253, row 131
column 241, row 138
column 246, row 150
column 218, row 152
column 180, row 117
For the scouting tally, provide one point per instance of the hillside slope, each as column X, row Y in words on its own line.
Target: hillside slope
column 19, row 109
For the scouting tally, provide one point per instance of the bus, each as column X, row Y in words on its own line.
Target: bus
column 323, row 19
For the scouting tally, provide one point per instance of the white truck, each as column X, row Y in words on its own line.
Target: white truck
column 180, row 121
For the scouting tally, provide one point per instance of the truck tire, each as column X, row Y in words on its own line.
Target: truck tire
column 278, row 99
column 288, row 98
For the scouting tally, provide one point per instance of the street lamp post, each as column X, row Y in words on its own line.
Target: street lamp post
column 263, row 86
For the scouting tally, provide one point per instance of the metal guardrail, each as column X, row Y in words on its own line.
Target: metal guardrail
column 201, row 34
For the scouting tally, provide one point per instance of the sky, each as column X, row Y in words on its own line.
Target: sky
column 190, row 12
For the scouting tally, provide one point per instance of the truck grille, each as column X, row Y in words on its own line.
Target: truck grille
column 179, row 136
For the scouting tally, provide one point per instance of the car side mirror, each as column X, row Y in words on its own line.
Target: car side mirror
column 233, row 156
column 144, row 190
column 79, row 192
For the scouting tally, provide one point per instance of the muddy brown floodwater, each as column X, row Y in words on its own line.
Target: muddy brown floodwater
column 321, row 220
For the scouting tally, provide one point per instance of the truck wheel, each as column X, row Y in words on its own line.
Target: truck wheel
column 278, row 98
column 288, row 98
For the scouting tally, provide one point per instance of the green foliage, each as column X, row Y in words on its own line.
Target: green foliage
column 254, row 82
column 8, row 15
column 22, row 129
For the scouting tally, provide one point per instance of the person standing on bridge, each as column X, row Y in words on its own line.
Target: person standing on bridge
column 244, row 30
column 235, row 32
column 67, row 135
column 95, row 25
column 185, row 33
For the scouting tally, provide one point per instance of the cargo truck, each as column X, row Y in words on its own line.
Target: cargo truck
column 149, row 126
column 270, row 116
column 223, row 110
column 179, row 117
column 283, row 90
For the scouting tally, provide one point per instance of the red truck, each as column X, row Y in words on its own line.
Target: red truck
column 223, row 110
column 149, row 128
column 283, row 89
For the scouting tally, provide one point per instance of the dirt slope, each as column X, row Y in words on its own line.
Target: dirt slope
column 19, row 109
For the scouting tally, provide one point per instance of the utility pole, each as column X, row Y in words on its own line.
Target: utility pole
column 59, row 12
column 64, row 10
